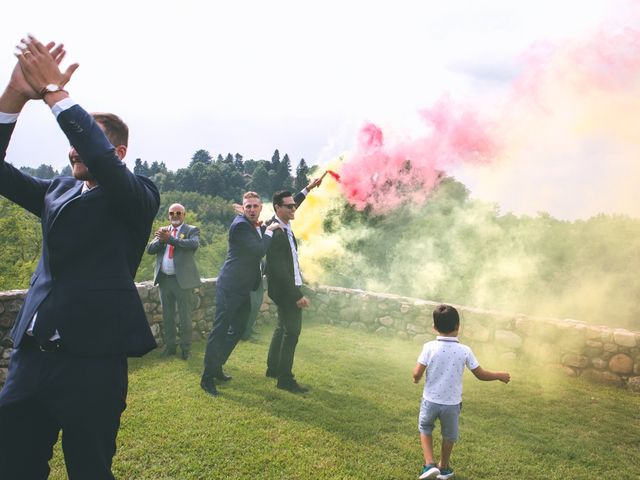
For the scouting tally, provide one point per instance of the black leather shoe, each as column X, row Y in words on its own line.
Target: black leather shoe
column 223, row 377
column 185, row 355
column 168, row 352
column 210, row 387
column 292, row 386
column 271, row 373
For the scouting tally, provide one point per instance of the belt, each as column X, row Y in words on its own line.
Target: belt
column 52, row 346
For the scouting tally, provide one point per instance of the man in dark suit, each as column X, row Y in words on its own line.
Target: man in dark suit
column 82, row 315
column 239, row 275
column 177, row 275
column 284, row 282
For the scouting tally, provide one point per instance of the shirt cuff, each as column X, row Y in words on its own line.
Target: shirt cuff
column 268, row 233
column 62, row 105
column 8, row 117
column 304, row 191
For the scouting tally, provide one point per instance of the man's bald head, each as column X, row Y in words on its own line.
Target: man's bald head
column 176, row 214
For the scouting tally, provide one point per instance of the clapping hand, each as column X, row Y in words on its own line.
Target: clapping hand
column 163, row 235
column 39, row 67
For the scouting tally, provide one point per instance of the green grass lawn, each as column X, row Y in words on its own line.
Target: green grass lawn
column 359, row 421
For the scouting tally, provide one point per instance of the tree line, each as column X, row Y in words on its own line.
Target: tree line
column 453, row 248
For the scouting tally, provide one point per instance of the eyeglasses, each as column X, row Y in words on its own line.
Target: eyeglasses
column 290, row 206
column 177, row 214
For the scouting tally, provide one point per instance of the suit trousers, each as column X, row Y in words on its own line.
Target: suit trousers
column 232, row 311
column 171, row 295
column 48, row 392
column 257, row 297
column 284, row 341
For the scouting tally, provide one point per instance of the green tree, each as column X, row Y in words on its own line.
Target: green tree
column 275, row 161
column 141, row 168
column 260, row 181
column 202, row 157
column 302, row 178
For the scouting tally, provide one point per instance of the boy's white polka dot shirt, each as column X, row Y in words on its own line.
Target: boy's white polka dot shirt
column 445, row 359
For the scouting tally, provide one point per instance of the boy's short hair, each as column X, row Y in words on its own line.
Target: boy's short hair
column 446, row 318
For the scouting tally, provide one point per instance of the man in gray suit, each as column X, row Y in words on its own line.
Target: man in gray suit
column 176, row 274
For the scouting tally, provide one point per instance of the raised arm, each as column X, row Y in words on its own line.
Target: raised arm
column 26, row 191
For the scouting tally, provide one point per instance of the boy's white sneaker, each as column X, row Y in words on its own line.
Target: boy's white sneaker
column 445, row 473
column 429, row 471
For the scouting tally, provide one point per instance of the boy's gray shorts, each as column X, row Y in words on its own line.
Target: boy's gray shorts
column 448, row 415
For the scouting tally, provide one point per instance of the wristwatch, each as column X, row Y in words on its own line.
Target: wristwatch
column 51, row 88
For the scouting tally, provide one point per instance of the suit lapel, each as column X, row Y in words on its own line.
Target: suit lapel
column 62, row 201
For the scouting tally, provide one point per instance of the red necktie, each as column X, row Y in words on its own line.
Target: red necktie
column 174, row 233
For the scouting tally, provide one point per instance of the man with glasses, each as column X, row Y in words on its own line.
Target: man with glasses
column 177, row 275
column 284, row 282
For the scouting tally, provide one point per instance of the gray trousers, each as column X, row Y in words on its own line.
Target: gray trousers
column 171, row 295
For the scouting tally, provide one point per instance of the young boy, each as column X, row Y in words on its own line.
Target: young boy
column 444, row 360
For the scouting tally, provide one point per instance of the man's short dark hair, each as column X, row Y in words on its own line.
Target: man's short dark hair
column 114, row 128
column 278, row 197
column 446, row 318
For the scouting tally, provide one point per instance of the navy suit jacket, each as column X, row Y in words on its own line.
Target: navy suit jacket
column 240, row 272
column 184, row 248
column 92, row 244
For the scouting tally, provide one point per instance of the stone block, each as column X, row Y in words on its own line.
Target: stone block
column 610, row 347
column 508, row 357
column 13, row 306
column 578, row 361
column 634, row 384
column 476, row 332
column 508, row 339
column 624, row 338
column 404, row 308
column 1, row 308
column 143, row 291
column 621, row 363
column 383, row 331
column 386, row 321
column 603, row 377
column 154, row 294
column 525, row 325
column 149, row 307
column 414, row 329
column 599, row 363
column 155, row 329
column 540, row 352
column 7, row 319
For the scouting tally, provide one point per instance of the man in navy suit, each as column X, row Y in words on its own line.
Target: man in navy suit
column 177, row 274
column 82, row 315
column 239, row 275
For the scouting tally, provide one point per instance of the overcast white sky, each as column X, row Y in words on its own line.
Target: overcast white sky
column 252, row 76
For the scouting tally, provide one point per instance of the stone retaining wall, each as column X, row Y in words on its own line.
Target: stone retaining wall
column 601, row 354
